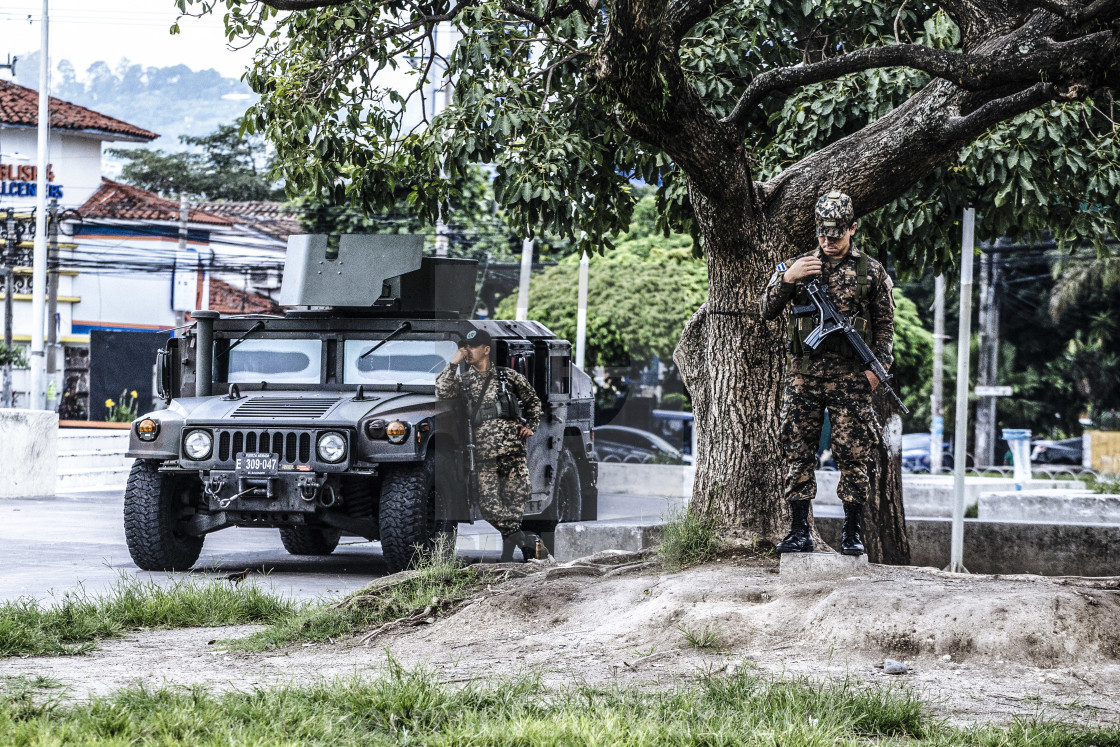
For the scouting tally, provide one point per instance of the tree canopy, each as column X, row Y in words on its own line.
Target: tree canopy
column 1006, row 105
column 222, row 165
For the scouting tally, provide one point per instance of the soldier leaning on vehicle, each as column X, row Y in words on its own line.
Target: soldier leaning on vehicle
column 831, row 377
column 504, row 411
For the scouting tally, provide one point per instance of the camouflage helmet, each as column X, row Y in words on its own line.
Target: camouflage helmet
column 834, row 214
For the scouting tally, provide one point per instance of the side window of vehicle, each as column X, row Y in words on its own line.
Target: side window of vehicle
column 561, row 371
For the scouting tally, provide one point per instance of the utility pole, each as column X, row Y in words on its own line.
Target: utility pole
column 581, row 312
column 522, row 312
column 937, row 410
column 37, row 398
column 960, row 430
column 184, row 214
column 52, row 308
column 8, row 271
column 987, row 369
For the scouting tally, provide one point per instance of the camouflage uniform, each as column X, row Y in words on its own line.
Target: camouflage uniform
column 500, row 457
column 832, row 377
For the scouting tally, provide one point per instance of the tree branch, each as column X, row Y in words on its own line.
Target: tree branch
column 994, row 112
column 682, row 15
column 303, row 4
column 1075, row 12
column 968, row 71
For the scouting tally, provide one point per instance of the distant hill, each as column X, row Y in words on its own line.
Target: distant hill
column 172, row 101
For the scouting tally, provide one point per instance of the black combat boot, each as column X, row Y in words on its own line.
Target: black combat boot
column 850, row 542
column 510, row 542
column 798, row 539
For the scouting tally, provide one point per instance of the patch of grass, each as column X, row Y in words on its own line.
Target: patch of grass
column 439, row 581
column 412, row 707
column 1101, row 483
column 76, row 622
column 702, row 637
column 687, row 540
column 972, row 511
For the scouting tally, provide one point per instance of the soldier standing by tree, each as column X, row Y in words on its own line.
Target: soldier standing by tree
column 493, row 397
column 831, row 377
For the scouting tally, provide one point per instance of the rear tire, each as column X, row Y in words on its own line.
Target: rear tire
column 407, row 514
column 310, row 540
column 154, row 505
column 569, row 498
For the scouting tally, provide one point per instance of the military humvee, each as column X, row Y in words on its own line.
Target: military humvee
column 324, row 422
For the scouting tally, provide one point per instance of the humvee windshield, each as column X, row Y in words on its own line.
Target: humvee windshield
column 276, row 360
column 403, row 361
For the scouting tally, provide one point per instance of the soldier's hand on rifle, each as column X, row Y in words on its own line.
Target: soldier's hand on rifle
column 803, row 268
column 524, row 431
column 872, row 379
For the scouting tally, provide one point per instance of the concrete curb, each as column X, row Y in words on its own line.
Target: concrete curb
column 1006, row 547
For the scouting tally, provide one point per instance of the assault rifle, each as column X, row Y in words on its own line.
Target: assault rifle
column 832, row 322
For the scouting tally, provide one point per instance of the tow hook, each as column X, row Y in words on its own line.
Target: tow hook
column 212, row 486
column 309, row 486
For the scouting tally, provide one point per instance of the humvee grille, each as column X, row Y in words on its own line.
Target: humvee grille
column 284, row 407
column 292, row 447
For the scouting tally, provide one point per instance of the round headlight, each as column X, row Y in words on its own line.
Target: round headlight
column 197, row 444
column 332, row 447
column 397, row 432
column 147, row 429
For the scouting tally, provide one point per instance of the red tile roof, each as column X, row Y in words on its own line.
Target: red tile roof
column 270, row 218
column 122, row 201
column 20, row 106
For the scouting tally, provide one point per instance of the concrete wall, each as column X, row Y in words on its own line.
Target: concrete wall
column 1009, row 547
column 670, row 480
column 28, row 453
column 1055, row 506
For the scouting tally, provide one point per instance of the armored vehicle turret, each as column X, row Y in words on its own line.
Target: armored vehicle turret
column 324, row 422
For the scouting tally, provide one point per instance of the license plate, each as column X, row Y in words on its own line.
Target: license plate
column 257, row 464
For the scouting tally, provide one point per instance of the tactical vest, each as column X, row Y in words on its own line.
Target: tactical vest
column 506, row 407
column 800, row 327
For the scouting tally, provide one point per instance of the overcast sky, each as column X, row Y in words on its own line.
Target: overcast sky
column 85, row 32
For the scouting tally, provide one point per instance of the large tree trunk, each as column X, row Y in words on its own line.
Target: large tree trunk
column 885, row 534
column 734, row 364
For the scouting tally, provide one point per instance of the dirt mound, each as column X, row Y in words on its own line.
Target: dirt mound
column 981, row 647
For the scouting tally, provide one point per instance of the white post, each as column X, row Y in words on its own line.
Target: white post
column 39, row 263
column 581, row 312
column 523, row 286
column 937, row 419
column 960, row 431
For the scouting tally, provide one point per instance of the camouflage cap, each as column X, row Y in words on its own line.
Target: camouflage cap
column 834, row 213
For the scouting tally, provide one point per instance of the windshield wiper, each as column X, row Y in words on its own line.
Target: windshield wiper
column 405, row 326
column 252, row 331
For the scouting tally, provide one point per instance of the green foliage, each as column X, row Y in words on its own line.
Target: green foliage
column 639, row 296
column 438, row 582
column 75, row 622
column 410, row 707
column 687, row 540
column 913, row 358
column 534, row 105
column 13, row 356
column 675, row 401
column 1102, row 484
column 223, row 165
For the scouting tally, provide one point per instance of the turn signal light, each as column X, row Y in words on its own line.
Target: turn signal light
column 147, row 429
column 397, row 432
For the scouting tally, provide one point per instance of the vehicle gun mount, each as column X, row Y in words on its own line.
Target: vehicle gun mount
column 386, row 272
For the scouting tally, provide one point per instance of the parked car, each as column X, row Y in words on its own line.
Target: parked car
column 915, row 453
column 618, row 443
column 1066, row 451
column 675, row 427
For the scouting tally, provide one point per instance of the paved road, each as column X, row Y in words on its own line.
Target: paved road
column 49, row 546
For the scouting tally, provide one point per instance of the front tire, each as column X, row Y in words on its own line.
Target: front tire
column 407, row 514
column 154, row 506
column 309, row 540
